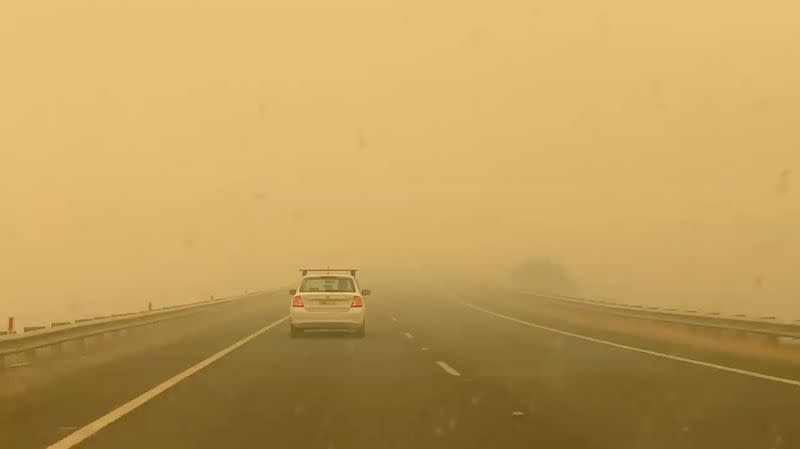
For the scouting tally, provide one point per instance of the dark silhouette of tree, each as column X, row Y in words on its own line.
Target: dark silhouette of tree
column 544, row 276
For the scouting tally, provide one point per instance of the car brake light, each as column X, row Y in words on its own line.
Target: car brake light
column 357, row 302
column 297, row 301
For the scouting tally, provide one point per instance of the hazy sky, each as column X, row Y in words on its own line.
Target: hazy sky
column 169, row 149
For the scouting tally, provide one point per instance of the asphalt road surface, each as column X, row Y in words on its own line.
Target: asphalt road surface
column 431, row 372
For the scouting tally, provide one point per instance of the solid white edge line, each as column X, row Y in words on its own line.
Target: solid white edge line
column 449, row 369
column 729, row 369
column 408, row 335
column 95, row 426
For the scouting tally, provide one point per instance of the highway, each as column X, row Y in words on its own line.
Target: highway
column 439, row 368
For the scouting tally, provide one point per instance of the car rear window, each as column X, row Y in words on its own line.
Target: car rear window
column 328, row 284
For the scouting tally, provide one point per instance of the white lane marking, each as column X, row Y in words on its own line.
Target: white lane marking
column 394, row 319
column 729, row 369
column 789, row 340
column 450, row 370
column 408, row 336
column 95, row 426
column 424, row 348
column 18, row 365
column 517, row 413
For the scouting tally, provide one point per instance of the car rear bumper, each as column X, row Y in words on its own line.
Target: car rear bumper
column 304, row 319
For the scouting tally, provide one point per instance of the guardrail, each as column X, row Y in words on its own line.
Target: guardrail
column 62, row 332
column 767, row 325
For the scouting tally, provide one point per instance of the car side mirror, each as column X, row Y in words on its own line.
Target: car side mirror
column 366, row 292
column 292, row 291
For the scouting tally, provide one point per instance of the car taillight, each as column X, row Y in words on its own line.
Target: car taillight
column 357, row 302
column 297, row 301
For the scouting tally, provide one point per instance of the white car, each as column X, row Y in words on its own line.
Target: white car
column 325, row 300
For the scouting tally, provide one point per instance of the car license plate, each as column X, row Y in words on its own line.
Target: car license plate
column 328, row 302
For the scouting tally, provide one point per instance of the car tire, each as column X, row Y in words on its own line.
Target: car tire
column 295, row 332
column 362, row 331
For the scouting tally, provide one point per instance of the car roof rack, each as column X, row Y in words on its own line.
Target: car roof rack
column 352, row 271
